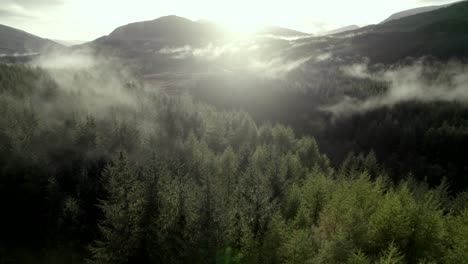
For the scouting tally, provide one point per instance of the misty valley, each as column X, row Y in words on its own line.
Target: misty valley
column 180, row 141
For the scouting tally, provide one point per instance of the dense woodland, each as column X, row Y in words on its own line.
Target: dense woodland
column 425, row 139
column 139, row 176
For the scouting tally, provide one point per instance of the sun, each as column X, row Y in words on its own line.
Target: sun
column 239, row 16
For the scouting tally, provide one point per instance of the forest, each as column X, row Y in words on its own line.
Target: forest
column 422, row 136
column 98, row 167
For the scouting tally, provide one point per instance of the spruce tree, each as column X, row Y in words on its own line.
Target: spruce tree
column 122, row 214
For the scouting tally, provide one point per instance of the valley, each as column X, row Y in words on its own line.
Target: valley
column 182, row 141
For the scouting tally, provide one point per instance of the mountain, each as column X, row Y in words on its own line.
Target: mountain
column 341, row 30
column 69, row 43
column 176, row 31
column 442, row 19
column 15, row 41
column 170, row 43
column 280, row 31
column 411, row 12
column 168, row 30
column 140, row 43
column 151, row 46
column 441, row 33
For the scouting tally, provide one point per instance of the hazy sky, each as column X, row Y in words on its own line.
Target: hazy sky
column 90, row 19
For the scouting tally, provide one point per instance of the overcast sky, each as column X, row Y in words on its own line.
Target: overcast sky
column 90, row 19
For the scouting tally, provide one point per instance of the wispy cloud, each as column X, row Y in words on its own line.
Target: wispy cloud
column 276, row 67
column 209, row 52
column 2, row 55
column 417, row 82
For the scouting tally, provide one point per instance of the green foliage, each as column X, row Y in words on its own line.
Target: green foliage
column 415, row 226
column 391, row 256
column 358, row 258
column 123, row 209
column 298, row 247
column 190, row 184
column 456, row 239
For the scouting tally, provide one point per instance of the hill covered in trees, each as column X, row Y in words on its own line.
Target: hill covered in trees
column 172, row 141
column 125, row 173
column 413, row 11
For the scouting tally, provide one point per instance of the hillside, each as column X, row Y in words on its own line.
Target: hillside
column 168, row 30
column 440, row 20
column 15, row 41
column 280, row 31
column 174, row 44
column 442, row 33
column 411, row 12
column 342, row 29
column 177, row 181
column 171, row 29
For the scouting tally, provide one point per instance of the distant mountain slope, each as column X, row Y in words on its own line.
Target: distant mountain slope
column 172, row 43
column 280, row 31
column 411, row 12
column 151, row 46
column 168, row 30
column 15, row 41
column 175, row 31
column 341, row 30
column 441, row 33
column 69, row 43
column 445, row 17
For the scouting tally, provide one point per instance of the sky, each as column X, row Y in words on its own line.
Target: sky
column 89, row 19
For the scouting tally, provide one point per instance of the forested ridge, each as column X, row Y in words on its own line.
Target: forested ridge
column 139, row 176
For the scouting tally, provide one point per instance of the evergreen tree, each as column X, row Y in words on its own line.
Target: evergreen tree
column 123, row 209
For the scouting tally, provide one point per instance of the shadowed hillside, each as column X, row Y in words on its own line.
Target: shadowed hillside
column 16, row 41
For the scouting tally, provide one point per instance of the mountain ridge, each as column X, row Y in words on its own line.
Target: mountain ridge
column 342, row 29
column 411, row 12
column 14, row 41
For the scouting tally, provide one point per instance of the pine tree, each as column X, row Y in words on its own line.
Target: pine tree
column 153, row 171
column 208, row 235
column 120, row 228
column 391, row 256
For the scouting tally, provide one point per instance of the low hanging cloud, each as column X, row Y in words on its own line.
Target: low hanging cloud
column 70, row 61
column 18, row 55
column 209, row 52
column 89, row 84
column 276, row 67
column 323, row 56
column 272, row 66
column 358, row 70
column 417, row 82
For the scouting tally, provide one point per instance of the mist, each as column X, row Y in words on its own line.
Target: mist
column 90, row 85
column 421, row 80
column 19, row 54
column 178, row 137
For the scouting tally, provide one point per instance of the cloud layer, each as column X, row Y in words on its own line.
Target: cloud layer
column 417, row 82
